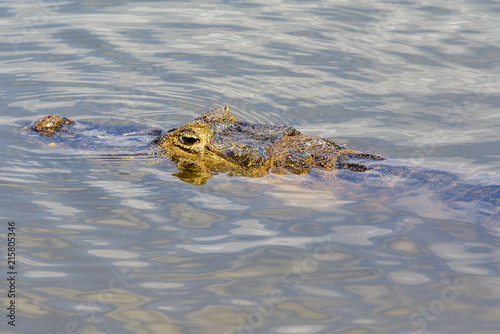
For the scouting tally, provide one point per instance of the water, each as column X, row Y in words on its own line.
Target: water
column 124, row 246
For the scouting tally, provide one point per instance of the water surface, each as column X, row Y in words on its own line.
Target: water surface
column 124, row 246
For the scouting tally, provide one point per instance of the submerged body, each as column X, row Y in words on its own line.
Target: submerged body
column 217, row 142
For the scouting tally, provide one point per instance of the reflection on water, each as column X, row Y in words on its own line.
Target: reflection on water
column 123, row 246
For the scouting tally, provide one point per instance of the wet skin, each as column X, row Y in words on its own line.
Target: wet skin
column 217, row 142
column 49, row 125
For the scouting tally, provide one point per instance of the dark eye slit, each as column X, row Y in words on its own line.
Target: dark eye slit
column 186, row 140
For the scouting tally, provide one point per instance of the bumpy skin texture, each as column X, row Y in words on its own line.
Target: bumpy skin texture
column 49, row 125
column 217, row 142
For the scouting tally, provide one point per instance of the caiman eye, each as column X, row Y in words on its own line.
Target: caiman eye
column 187, row 139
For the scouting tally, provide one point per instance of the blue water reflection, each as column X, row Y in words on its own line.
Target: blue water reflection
column 123, row 246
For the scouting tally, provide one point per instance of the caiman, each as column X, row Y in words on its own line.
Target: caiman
column 217, row 142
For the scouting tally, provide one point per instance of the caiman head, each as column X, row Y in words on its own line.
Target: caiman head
column 217, row 142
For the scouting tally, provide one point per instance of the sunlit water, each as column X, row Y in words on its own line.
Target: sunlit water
column 123, row 246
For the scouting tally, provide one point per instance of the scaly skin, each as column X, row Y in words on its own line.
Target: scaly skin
column 217, row 141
